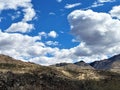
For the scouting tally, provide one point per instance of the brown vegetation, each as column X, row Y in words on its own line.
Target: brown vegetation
column 18, row 75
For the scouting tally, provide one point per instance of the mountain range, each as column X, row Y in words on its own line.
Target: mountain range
column 111, row 64
column 98, row 75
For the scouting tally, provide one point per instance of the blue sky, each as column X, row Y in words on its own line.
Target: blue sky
column 49, row 32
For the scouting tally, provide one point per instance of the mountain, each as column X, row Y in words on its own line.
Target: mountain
column 19, row 75
column 77, row 65
column 111, row 64
column 8, row 63
column 83, row 65
column 79, row 70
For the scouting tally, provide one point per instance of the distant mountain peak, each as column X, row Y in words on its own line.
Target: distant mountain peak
column 115, row 57
column 79, row 65
column 112, row 64
column 83, row 65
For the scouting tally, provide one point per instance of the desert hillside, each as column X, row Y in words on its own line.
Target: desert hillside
column 19, row 75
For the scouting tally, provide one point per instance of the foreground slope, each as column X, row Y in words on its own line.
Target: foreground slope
column 8, row 63
column 18, row 75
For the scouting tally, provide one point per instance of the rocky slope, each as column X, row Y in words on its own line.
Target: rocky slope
column 8, row 63
column 79, row 70
column 74, row 66
column 18, row 75
column 83, row 65
column 111, row 64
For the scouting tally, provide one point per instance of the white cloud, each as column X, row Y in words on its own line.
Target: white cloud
column 29, row 48
column 100, row 3
column 52, row 34
column 26, row 47
column 68, row 6
column 14, row 4
column 20, row 27
column 43, row 34
column 16, row 45
column 50, row 60
column 98, row 32
column 96, row 4
column 17, row 15
column 103, row 1
column 29, row 14
column 115, row 12
column 59, row 1
column 74, row 40
column 52, row 43
column 52, row 13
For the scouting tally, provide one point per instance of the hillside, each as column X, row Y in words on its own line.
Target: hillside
column 79, row 70
column 111, row 64
column 83, row 65
column 18, row 75
column 8, row 63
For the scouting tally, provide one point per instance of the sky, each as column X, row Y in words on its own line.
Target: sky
column 54, row 31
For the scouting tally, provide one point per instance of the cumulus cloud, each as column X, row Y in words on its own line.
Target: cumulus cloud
column 20, row 27
column 52, row 34
column 43, row 34
column 29, row 14
column 98, row 32
column 68, row 6
column 28, row 48
column 25, row 4
column 115, row 12
column 25, row 47
column 7, row 4
column 52, row 43
column 16, row 44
